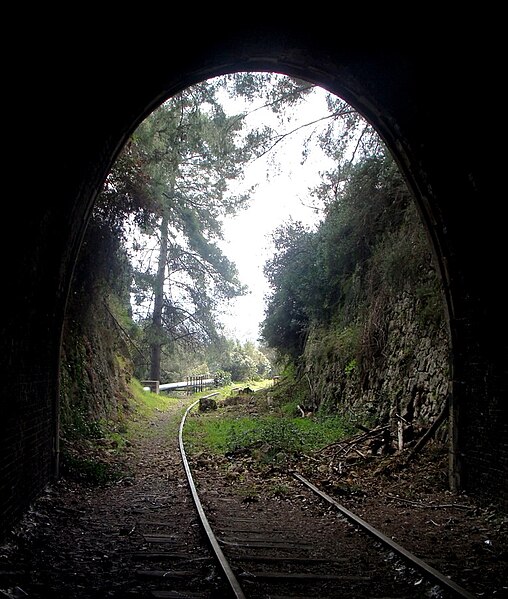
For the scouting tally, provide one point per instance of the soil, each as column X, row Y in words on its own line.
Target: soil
column 138, row 534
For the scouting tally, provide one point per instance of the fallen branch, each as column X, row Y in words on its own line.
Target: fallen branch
column 348, row 445
column 430, row 433
column 362, row 428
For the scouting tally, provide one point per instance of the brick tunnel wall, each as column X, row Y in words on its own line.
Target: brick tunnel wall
column 30, row 347
column 26, row 447
column 483, row 440
column 411, row 114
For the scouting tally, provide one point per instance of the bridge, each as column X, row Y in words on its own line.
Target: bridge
column 198, row 383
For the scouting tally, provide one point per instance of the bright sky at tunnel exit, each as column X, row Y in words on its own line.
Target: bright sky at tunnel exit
column 282, row 194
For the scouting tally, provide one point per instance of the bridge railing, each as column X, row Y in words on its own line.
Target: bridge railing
column 193, row 384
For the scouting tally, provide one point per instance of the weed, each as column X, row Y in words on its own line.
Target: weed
column 268, row 439
column 280, row 490
column 89, row 470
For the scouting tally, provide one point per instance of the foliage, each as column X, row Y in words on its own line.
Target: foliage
column 337, row 270
column 171, row 185
column 95, row 368
column 332, row 288
column 243, row 362
column 291, row 275
column 89, row 470
column 265, row 437
column 222, row 378
column 189, row 153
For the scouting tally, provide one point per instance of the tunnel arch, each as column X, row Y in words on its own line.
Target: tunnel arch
column 395, row 92
column 429, row 231
column 385, row 127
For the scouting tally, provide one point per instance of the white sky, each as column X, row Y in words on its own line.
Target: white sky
column 282, row 194
column 276, row 200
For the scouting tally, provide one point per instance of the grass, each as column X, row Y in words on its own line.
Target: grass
column 265, row 437
column 90, row 470
column 146, row 403
column 223, row 434
column 89, row 454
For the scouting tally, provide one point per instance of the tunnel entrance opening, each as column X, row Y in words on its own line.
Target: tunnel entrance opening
column 395, row 95
column 159, row 171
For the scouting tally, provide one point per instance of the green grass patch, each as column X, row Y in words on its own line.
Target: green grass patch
column 143, row 407
column 267, row 438
column 89, row 470
column 145, row 403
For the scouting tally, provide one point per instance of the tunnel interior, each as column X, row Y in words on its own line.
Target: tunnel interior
column 421, row 107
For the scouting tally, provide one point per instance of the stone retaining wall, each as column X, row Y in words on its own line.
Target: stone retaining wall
column 409, row 376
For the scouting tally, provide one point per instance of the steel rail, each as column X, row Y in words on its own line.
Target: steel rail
column 416, row 562
column 233, row 582
column 441, row 579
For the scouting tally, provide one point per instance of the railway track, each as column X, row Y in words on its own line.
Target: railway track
column 309, row 547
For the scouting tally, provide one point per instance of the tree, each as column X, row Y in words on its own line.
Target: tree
column 243, row 362
column 291, row 275
column 190, row 153
column 176, row 172
column 319, row 276
column 190, row 149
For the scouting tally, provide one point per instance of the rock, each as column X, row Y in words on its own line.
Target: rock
column 206, row 404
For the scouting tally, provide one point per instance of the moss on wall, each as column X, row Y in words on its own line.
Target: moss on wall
column 408, row 376
column 96, row 369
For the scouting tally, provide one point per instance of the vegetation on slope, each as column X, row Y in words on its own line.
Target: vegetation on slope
column 334, row 289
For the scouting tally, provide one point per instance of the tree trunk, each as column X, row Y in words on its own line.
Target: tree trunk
column 157, row 328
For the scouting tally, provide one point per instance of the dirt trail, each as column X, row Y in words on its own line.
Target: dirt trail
column 86, row 541
column 141, row 533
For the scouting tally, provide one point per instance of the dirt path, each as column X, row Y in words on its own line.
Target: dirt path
column 141, row 533
column 82, row 541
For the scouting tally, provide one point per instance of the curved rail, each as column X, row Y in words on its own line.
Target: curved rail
column 235, row 585
column 442, row 580
column 417, row 563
